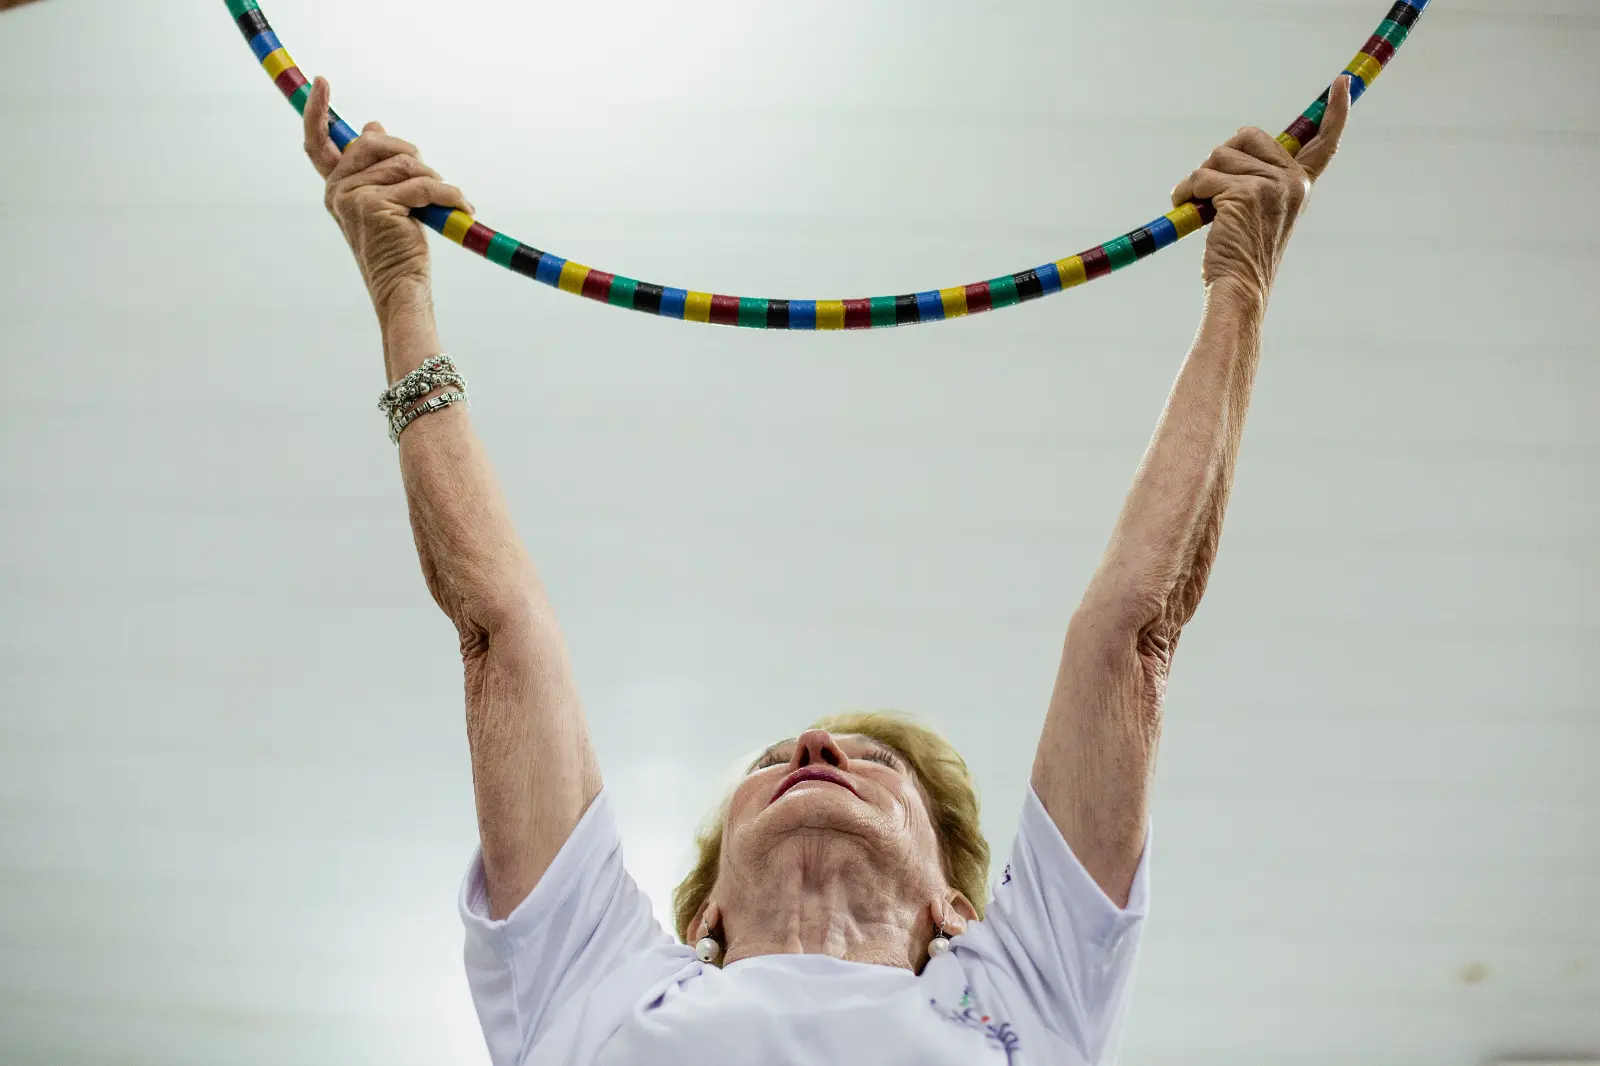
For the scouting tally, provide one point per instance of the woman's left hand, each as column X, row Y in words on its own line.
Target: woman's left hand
column 1259, row 190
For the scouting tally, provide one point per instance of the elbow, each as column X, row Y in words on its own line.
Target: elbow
column 1118, row 611
column 1151, row 605
column 1106, row 630
column 493, row 616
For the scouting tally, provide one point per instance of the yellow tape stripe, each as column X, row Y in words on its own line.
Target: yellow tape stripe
column 456, row 226
column 697, row 307
column 276, row 63
column 572, row 276
column 1290, row 144
column 1365, row 67
column 1072, row 271
column 954, row 300
column 830, row 314
column 1185, row 219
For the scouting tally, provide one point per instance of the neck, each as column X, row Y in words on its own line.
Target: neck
column 814, row 897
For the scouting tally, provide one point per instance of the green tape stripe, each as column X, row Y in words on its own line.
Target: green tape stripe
column 1121, row 253
column 1315, row 113
column 501, row 249
column 753, row 312
column 1002, row 292
column 882, row 311
column 1392, row 32
column 300, row 96
column 622, row 290
column 239, row 7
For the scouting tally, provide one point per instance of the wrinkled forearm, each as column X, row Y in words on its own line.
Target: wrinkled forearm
column 475, row 566
column 1155, row 569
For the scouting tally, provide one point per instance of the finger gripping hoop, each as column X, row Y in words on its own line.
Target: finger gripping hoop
column 868, row 312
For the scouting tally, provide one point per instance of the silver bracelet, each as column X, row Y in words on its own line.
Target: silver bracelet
column 398, row 422
column 436, row 371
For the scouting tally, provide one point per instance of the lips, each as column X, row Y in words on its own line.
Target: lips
column 814, row 773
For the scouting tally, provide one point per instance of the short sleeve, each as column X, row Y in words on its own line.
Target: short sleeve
column 1052, row 936
column 583, row 920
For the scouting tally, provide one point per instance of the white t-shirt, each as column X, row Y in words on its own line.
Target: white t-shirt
column 581, row 974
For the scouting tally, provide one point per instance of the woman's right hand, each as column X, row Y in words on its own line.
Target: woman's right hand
column 372, row 187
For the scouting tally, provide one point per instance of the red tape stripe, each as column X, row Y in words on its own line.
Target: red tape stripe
column 290, row 81
column 597, row 285
column 478, row 238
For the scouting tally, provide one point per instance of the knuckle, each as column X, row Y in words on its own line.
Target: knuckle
column 404, row 167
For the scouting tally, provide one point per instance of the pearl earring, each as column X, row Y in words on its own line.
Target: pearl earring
column 940, row 943
column 707, row 949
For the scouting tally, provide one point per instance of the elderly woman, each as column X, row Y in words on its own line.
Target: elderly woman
column 837, row 913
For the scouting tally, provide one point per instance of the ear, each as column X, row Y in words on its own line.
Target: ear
column 953, row 911
column 706, row 920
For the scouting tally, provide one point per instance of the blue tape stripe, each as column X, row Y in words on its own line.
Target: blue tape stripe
column 1357, row 86
column 340, row 131
column 930, row 306
column 343, row 136
column 672, row 302
column 1418, row 4
column 802, row 314
column 549, row 270
column 1049, row 278
column 433, row 216
column 1163, row 231
column 264, row 44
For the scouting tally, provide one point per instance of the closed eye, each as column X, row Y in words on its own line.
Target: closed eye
column 777, row 757
column 771, row 758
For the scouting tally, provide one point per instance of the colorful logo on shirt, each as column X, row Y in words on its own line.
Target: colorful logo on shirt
column 970, row 1015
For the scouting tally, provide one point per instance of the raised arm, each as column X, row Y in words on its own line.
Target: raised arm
column 1097, row 752
column 533, row 769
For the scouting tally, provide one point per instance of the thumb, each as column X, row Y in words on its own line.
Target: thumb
column 1316, row 156
column 320, row 149
column 374, row 127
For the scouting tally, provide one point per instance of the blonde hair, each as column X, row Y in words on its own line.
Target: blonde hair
column 945, row 780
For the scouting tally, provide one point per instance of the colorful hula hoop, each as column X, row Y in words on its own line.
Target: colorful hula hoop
column 867, row 313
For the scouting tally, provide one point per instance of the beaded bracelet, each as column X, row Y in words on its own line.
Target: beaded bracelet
column 399, row 422
column 436, row 371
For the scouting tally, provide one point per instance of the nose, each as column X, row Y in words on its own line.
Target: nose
column 818, row 746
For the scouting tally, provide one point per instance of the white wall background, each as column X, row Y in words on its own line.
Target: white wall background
column 234, row 799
